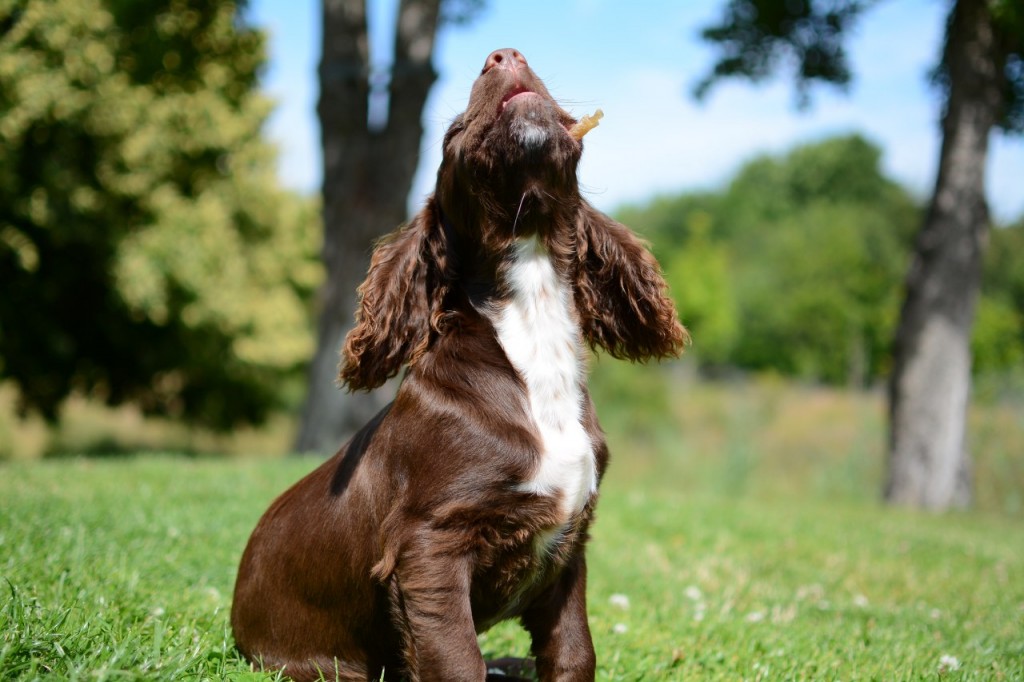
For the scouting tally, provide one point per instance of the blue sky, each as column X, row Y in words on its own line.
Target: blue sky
column 638, row 61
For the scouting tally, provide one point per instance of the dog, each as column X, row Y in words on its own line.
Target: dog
column 467, row 500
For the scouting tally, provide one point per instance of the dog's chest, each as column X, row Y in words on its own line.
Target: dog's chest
column 539, row 333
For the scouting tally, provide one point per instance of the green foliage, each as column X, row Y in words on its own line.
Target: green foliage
column 134, row 578
column 1008, row 24
column 698, row 268
column 1003, row 271
column 699, row 277
column 146, row 250
column 998, row 337
column 754, row 36
column 796, row 267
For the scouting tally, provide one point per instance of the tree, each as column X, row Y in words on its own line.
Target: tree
column 762, row 303
column 982, row 79
column 370, row 157
column 146, row 251
column 826, row 317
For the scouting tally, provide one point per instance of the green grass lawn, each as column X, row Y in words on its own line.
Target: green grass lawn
column 123, row 569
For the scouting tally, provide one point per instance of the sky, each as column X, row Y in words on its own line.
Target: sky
column 638, row 62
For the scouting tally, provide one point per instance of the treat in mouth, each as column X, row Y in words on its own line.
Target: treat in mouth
column 586, row 124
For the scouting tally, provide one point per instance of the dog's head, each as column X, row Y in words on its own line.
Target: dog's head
column 509, row 162
column 508, row 171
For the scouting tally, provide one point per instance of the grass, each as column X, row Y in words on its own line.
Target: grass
column 739, row 537
column 124, row 569
column 724, row 589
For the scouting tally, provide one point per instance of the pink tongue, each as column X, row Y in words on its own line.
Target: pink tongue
column 526, row 93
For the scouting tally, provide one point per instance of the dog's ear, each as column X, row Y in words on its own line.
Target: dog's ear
column 400, row 302
column 620, row 293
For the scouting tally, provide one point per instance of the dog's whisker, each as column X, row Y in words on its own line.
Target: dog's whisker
column 518, row 211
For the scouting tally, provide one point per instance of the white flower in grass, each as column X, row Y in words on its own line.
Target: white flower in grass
column 860, row 601
column 755, row 616
column 783, row 614
column 619, row 601
column 620, row 628
column 948, row 663
column 812, row 591
column 693, row 593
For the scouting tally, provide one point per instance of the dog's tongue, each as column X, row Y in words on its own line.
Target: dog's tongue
column 516, row 94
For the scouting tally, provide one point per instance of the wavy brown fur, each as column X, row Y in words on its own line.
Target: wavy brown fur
column 426, row 528
column 400, row 302
column 620, row 293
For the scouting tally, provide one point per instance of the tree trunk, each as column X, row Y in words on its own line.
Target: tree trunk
column 368, row 172
column 928, row 462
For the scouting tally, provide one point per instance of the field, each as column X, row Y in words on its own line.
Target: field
column 743, row 542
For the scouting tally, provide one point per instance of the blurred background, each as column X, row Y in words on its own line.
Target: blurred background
column 172, row 278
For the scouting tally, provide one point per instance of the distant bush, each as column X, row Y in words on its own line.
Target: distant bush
column 797, row 267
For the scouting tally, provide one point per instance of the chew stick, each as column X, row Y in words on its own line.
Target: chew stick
column 586, row 124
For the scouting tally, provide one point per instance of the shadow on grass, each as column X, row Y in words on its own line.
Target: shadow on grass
column 114, row 448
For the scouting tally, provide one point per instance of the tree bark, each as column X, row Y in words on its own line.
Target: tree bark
column 368, row 172
column 928, row 464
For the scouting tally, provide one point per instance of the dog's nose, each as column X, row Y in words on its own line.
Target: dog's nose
column 505, row 58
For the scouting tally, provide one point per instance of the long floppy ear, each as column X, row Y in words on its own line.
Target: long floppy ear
column 400, row 302
column 621, row 295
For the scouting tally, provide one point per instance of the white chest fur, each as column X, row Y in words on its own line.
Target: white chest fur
column 540, row 336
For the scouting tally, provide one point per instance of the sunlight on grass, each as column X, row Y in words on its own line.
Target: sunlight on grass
column 125, row 569
column 739, row 536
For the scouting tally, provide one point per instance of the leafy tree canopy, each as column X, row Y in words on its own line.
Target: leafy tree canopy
column 757, row 38
column 797, row 266
column 999, row 330
column 146, row 251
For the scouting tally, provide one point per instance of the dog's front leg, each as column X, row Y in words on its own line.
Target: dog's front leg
column 436, row 619
column 557, row 622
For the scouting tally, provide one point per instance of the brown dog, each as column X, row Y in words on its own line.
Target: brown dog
column 467, row 500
